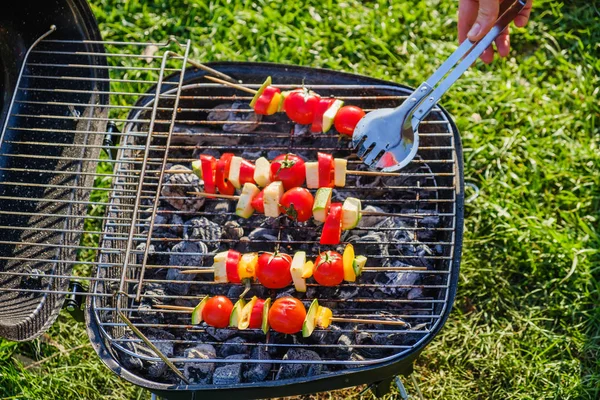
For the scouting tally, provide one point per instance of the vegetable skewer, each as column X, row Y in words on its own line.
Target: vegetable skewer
column 286, row 315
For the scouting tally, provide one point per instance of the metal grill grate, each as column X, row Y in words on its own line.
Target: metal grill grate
column 169, row 120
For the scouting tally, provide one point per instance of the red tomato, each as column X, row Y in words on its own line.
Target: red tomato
column 289, row 169
column 258, row 202
column 347, row 118
column 223, row 184
column 287, row 315
column 273, row 270
column 247, row 172
column 326, row 170
column 231, row 266
column 332, row 229
column 317, row 123
column 209, row 166
column 329, row 269
column 256, row 315
column 217, row 311
column 297, row 203
column 300, row 106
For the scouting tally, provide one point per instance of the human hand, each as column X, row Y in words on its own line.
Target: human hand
column 476, row 18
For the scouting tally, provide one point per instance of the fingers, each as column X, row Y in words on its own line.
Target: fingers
column 487, row 15
column 523, row 17
column 503, row 43
column 467, row 13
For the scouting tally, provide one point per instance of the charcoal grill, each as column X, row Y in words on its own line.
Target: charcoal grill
column 74, row 97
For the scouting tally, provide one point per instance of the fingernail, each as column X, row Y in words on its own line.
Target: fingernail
column 474, row 30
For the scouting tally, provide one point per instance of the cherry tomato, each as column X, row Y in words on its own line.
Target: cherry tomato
column 300, row 106
column 287, row 315
column 273, row 270
column 329, row 269
column 332, row 229
column 231, row 266
column 317, row 123
column 222, row 173
column 258, row 202
column 209, row 166
column 256, row 314
column 347, row 118
column 217, row 311
column 297, row 203
column 289, row 169
column 326, row 169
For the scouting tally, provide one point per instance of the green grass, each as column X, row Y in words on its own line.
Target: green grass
column 526, row 322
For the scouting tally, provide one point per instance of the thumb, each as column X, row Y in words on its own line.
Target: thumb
column 487, row 15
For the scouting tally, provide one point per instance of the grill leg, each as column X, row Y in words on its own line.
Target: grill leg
column 381, row 388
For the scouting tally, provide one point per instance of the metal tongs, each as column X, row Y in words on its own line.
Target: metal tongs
column 376, row 135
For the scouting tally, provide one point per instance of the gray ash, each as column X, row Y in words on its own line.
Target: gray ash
column 289, row 371
column 176, row 187
column 241, row 122
column 199, row 372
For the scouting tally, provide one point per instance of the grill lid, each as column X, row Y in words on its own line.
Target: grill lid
column 42, row 153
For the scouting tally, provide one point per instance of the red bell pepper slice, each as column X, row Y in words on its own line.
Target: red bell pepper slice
column 258, row 202
column 326, row 166
column 247, row 172
column 332, row 229
column 231, row 266
column 256, row 314
column 322, row 106
column 222, row 173
column 263, row 102
column 209, row 166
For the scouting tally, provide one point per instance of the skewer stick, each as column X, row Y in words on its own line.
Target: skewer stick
column 356, row 173
column 334, row 319
column 233, row 85
column 367, row 269
column 368, row 213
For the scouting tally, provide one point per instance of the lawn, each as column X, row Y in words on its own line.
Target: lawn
column 526, row 321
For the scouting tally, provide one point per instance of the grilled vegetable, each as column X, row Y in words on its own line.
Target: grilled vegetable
column 329, row 269
column 246, row 314
column 272, row 196
column 216, row 311
column 258, row 202
column 234, row 171
column 289, row 169
column 323, row 318
column 325, row 169
column 197, row 312
column 317, row 122
column 359, row 264
column 265, row 316
column 231, row 266
column 268, row 101
column 332, row 229
column 256, row 317
column 322, row 204
column 247, row 172
column 351, row 213
column 262, row 173
column 297, row 204
column 273, row 270
column 220, row 267
column 260, row 91
column 209, row 167
column 247, row 266
column 330, row 114
column 309, row 322
column 348, row 261
column 287, row 315
column 312, row 174
column 244, row 205
column 347, row 118
column 339, row 172
column 234, row 319
column 297, row 270
column 222, row 175
column 300, row 106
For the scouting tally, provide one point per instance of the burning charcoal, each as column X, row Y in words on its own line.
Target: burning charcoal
column 152, row 296
column 130, row 362
column 301, row 130
column 163, row 342
column 287, row 371
column 205, row 230
column 414, row 293
column 263, row 234
column 228, row 374
column 219, row 210
column 370, row 349
column 251, row 154
column 237, row 345
column 257, row 372
column 198, row 372
column 176, row 187
column 220, row 334
column 191, row 135
column 387, row 279
column 232, row 230
column 344, row 348
column 240, row 121
column 191, row 260
column 355, row 357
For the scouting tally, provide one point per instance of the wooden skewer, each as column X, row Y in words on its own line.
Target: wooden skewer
column 233, row 85
column 357, row 173
column 368, row 213
column 334, row 319
column 367, row 269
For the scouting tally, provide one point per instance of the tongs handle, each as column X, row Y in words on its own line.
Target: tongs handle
column 465, row 55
